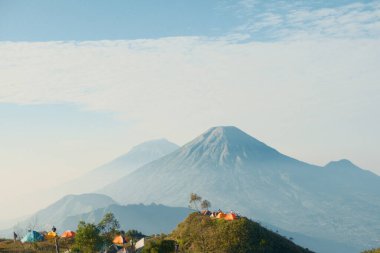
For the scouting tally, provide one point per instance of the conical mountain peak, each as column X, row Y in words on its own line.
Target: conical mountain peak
column 227, row 145
column 342, row 164
column 227, row 134
column 159, row 145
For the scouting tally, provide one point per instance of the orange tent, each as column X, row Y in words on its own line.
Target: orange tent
column 119, row 240
column 221, row 215
column 230, row 216
column 68, row 234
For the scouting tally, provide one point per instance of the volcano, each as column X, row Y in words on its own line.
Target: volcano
column 237, row 172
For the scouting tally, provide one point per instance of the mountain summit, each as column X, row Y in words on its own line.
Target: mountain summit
column 342, row 164
column 227, row 146
column 235, row 171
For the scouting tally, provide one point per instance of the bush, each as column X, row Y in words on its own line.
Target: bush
column 87, row 239
column 159, row 245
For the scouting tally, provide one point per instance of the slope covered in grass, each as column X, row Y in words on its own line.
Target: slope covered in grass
column 199, row 233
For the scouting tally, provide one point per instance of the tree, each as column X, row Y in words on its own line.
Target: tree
column 91, row 238
column 205, row 204
column 195, row 199
column 159, row 245
column 134, row 235
column 109, row 228
column 109, row 224
column 87, row 239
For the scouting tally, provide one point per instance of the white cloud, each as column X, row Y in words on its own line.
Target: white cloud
column 296, row 95
column 295, row 20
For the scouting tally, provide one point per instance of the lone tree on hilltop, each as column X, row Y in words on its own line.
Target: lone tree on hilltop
column 195, row 199
column 205, row 204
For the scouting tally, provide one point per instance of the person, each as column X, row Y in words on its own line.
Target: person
column 53, row 229
column 14, row 237
column 176, row 247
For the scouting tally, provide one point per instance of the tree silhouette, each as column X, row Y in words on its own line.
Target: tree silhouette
column 205, row 204
column 195, row 199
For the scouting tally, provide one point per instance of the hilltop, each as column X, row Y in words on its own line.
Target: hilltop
column 200, row 233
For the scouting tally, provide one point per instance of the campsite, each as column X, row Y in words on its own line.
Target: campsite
column 202, row 231
column 114, row 240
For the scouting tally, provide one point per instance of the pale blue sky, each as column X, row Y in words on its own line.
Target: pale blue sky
column 81, row 82
column 46, row 20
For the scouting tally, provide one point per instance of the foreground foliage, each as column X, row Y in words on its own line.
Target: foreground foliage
column 159, row 245
column 91, row 238
column 372, row 251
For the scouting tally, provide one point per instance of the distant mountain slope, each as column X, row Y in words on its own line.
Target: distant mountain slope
column 123, row 165
column 57, row 212
column 149, row 219
column 236, row 171
column 97, row 178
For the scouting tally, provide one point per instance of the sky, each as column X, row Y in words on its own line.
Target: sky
column 82, row 81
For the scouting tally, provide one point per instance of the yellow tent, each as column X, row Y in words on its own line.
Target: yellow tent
column 51, row 235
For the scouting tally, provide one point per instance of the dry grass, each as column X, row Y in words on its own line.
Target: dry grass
column 9, row 246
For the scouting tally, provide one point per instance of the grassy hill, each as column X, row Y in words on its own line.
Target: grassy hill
column 199, row 233
column 372, row 251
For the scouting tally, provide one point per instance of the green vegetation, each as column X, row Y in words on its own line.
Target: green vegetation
column 199, row 233
column 91, row 238
column 372, row 251
column 134, row 235
column 87, row 239
column 159, row 245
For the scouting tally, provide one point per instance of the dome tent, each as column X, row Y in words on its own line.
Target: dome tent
column 68, row 234
column 51, row 235
column 32, row 236
column 230, row 216
column 221, row 215
column 119, row 240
